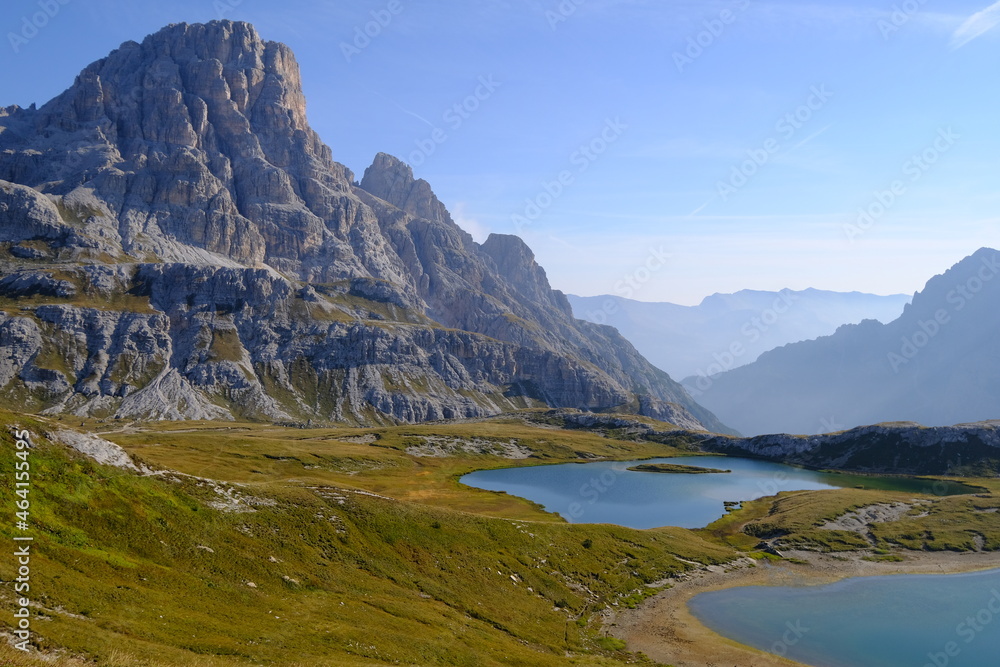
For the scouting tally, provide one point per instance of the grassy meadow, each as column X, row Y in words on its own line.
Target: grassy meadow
column 337, row 546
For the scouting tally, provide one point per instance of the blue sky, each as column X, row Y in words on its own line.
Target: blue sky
column 741, row 138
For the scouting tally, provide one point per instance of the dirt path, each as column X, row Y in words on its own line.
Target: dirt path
column 667, row 632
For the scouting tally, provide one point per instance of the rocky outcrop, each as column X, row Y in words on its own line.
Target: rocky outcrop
column 902, row 448
column 97, row 448
column 391, row 179
column 177, row 242
column 26, row 214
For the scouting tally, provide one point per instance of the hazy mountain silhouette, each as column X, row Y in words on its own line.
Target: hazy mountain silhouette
column 937, row 364
column 702, row 339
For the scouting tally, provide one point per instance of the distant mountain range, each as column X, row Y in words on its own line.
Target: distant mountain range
column 176, row 242
column 938, row 364
column 726, row 331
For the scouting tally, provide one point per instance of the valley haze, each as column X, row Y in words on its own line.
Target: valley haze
column 726, row 331
column 937, row 364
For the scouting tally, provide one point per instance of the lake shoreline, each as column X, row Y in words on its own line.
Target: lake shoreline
column 572, row 490
column 664, row 628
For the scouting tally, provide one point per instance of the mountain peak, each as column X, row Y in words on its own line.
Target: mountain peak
column 200, row 36
column 183, row 80
column 181, row 170
column 391, row 179
column 959, row 284
column 233, row 43
column 196, row 135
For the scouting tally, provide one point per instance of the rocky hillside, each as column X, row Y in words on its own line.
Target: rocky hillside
column 177, row 242
column 900, row 448
column 937, row 364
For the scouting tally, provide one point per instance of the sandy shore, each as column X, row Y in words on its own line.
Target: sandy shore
column 667, row 632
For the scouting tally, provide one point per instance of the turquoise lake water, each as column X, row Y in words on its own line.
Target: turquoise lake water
column 895, row 621
column 606, row 492
column 902, row 621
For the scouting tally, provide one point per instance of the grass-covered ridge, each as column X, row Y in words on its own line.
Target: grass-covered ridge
column 800, row 520
column 419, row 463
column 152, row 570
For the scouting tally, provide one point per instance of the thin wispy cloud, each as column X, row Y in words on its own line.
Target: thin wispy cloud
column 838, row 20
column 700, row 208
column 976, row 25
column 811, row 137
column 398, row 106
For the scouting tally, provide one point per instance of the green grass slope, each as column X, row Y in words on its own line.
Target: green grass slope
column 298, row 570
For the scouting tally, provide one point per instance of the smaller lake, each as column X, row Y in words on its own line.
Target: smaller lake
column 606, row 492
column 895, row 621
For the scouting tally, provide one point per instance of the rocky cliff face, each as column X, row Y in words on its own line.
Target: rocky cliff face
column 176, row 242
